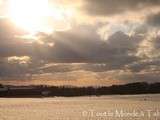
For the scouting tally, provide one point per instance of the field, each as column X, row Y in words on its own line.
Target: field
column 126, row 107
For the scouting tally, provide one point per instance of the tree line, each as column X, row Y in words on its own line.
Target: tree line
column 69, row 91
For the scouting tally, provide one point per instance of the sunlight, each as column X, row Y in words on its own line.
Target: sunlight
column 34, row 15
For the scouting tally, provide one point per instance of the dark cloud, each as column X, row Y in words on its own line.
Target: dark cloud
column 150, row 62
column 80, row 44
column 10, row 45
column 13, row 71
column 83, row 45
column 141, row 29
column 154, row 20
column 156, row 43
column 145, row 65
column 139, row 77
column 108, row 7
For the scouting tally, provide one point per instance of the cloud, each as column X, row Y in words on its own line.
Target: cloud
column 110, row 7
column 13, row 70
column 82, row 44
column 8, row 29
column 148, row 65
column 154, row 19
column 9, row 41
column 139, row 77
column 78, row 54
column 96, row 49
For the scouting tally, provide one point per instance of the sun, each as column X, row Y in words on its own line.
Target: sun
column 34, row 15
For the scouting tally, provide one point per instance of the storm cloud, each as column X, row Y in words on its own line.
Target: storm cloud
column 110, row 7
column 154, row 19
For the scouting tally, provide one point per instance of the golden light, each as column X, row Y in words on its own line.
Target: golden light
column 35, row 15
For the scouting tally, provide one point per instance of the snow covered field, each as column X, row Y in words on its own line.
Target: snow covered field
column 136, row 107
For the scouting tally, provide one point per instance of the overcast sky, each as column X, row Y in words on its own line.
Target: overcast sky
column 91, row 42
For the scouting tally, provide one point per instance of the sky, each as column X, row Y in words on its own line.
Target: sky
column 82, row 43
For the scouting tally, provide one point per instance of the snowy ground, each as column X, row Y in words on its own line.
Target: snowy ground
column 137, row 107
